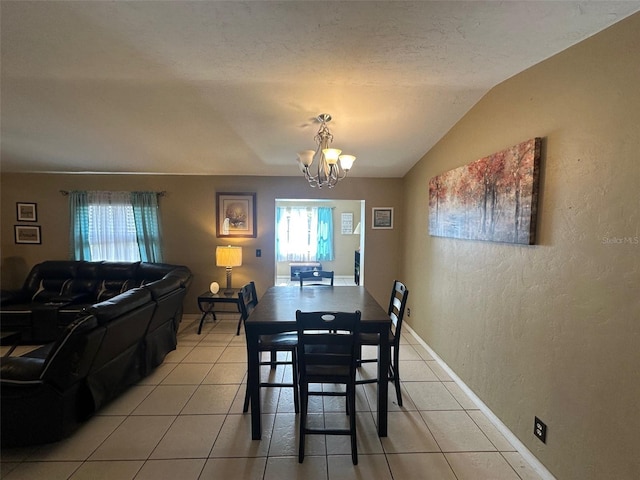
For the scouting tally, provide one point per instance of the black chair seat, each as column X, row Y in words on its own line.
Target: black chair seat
column 281, row 340
column 373, row 338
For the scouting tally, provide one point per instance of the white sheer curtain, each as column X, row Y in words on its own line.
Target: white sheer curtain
column 297, row 234
column 112, row 229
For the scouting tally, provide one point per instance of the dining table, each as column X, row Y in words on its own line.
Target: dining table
column 276, row 313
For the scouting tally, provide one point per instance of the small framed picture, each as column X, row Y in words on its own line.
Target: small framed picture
column 346, row 223
column 382, row 218
column 236, row 215
column 26, row 212
column 27, row 234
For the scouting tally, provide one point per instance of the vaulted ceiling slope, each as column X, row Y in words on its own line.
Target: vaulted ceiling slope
column 233, row 88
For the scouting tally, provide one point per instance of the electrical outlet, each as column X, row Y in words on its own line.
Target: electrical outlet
column 540, row 430
column 408, row 312
column 258, row 252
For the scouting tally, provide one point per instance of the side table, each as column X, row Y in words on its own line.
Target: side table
column 207, row 305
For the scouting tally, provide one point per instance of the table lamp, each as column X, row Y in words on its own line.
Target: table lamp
column 228, row 257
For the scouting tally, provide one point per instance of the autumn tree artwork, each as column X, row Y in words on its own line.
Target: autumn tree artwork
column 492, row 199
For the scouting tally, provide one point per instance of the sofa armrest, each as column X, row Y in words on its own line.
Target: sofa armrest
column 20, row 370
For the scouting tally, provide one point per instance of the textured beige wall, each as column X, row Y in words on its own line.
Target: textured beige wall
column 551, row 330
column 188, row 221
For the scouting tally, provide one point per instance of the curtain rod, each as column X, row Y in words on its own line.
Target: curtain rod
column 160, row 194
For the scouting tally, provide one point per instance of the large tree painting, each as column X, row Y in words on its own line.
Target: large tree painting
column 493, row 199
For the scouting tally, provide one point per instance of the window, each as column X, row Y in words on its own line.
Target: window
column 115, row 226
column 112, row 228
column 304, row 234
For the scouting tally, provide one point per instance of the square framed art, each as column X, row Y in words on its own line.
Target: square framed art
column 382, row 218
column 236, row 215
column 26, row 212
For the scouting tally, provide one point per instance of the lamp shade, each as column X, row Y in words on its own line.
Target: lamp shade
column 331, row 155
column 305, row 157
column 228, row 256
column 346, row 161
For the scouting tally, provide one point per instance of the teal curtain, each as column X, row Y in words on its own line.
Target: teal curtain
column 145, row 212
column 325, row 234
column 280, row 213
column 79, row 226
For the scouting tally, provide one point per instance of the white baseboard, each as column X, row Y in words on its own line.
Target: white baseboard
column 502, row 428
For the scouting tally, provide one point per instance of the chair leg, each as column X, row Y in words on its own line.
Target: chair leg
column 303, row 421
column 273, row 355
column 396, row 374
column 296, row 397
column 352, row 424
column 247, row 397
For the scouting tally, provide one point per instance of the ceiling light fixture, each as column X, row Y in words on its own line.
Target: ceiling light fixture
column 332, row 166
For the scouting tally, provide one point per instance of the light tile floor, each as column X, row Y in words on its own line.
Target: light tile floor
column 185, row 422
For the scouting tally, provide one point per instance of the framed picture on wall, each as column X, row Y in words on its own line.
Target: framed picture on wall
column 27, row 234
column 382, row 218
column 236, row 215
column 26, row 212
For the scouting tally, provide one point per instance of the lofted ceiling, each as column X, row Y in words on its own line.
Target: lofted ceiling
column 233, row 88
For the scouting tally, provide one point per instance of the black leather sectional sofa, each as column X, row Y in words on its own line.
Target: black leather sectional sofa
column 112, row 329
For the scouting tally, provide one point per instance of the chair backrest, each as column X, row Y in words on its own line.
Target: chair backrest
column 327, row 339
column 248, row 299
column 316, row 277
column 397, row 304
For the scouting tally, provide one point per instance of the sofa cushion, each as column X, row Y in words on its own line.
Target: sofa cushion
column 84, row 286
column 117, row 277
column 48, row 279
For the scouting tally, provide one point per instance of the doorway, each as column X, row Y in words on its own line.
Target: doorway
column 295, row 240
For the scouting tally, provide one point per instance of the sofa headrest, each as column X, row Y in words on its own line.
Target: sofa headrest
column 88, row 270
column 118, row 270
column 119, row 305
column 57, row 268
column 163, row 286
column 151, row 272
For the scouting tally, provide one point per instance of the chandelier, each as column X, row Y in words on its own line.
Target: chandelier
column 331, row 165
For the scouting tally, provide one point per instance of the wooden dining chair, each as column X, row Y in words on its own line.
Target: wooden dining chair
column 316, row 277
column 286, row 342
column 327, row 354
column 397, row 304
column 249, row 299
